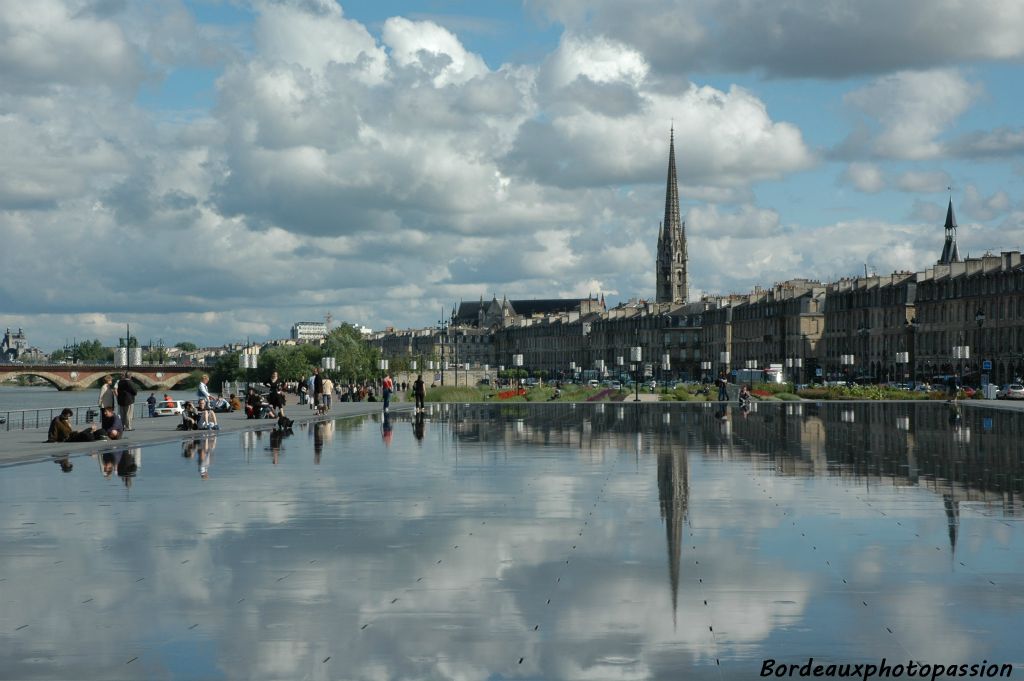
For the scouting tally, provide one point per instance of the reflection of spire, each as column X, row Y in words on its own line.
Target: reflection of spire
column 952, row 518
column 673, row 487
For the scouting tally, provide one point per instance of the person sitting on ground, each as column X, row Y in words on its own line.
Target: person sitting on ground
column 253, row 404
column 219, row 404
column 61, row 430
column 744, row 394
column 189, row 417
column 234, row 404
column 207, row 419
column 111, row 424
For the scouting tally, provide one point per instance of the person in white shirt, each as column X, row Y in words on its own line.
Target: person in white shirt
column 203, row 391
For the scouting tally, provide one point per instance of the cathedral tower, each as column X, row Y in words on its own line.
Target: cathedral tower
column 671, row 261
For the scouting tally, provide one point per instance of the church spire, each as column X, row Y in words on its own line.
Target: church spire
column 671, row 222
column 671, row 260
column 950, row 252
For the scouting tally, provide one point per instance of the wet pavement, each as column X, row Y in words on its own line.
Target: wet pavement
column 636, row 541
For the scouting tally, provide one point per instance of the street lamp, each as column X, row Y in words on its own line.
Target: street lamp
column 666, row 365
column 847, row 361
column 723, row 359
column 903, row 357
column 636, row 355
column 705, row 367
column 961, row 353
column 795, row 363
column 517, row 361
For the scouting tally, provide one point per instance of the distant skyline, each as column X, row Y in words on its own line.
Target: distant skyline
column 211, row 170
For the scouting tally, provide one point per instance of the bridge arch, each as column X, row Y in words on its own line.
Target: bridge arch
column 56, row 380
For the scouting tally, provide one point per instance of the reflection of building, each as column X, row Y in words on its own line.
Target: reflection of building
column 673, row 489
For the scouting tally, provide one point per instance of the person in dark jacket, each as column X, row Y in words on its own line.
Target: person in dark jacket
column 126, row 393
column 419, row 392
column 61, row 430
column 111, row 425
column 276, row 395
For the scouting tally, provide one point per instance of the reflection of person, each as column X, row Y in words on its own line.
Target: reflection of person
column 318, row 441
column 126, row 467
column 207, row 445
column 386, row 430
column 65, row 463
column 419, row 392
column 61, row 430
column 108, row 462
column 418, row 426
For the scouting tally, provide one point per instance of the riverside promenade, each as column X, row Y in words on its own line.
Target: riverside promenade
column 24, row 446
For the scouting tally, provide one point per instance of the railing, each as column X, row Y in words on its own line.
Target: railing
column 22, row 419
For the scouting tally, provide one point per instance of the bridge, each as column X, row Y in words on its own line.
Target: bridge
column 83, row 376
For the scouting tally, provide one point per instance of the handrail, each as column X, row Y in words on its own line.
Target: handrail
column 24, row 419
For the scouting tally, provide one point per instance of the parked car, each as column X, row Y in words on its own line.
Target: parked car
column 173, row 408
column 1013, row 391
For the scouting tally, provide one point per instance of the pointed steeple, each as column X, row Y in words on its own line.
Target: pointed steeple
column 950, row 251
column 671, row 222
column 672, row 258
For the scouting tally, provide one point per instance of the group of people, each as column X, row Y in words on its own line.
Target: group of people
column 111, row 427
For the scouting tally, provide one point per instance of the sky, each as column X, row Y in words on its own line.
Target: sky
column 216, row 170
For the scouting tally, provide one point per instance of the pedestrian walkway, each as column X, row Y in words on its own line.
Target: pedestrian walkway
column 21, row 446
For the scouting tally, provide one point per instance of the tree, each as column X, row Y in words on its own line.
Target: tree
column 356, row 359
column 290, row 362
column 185, row 346
column 93, row 351
column 226, row 369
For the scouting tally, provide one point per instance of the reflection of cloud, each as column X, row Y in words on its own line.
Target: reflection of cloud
column 450, row 564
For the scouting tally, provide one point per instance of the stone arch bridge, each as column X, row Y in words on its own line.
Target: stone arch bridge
column 82, row 376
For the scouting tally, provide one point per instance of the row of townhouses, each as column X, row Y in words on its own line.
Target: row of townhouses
column 961, row 316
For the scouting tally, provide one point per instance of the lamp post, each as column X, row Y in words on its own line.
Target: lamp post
column 723, row 359
column 847, row 361
column 705, row 367
column 960, row 353
column 979, row 319
column 383, row 366
column 903, row 357
column 636, row 355
column 517, row 361
column 794, row 363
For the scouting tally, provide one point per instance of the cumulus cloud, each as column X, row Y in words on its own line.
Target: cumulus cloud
column 910, row 110
column 923, row 181
column 800, row 39
column 748, row 222
column 985, row 208
column 864, row 177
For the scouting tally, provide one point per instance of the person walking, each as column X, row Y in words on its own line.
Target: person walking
column 387, row 385
column 419, row 392
column 723, row 389
column 108, row 395
column 276, row 397
column 317, row 384
column 126, row 393
column 328, row 393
